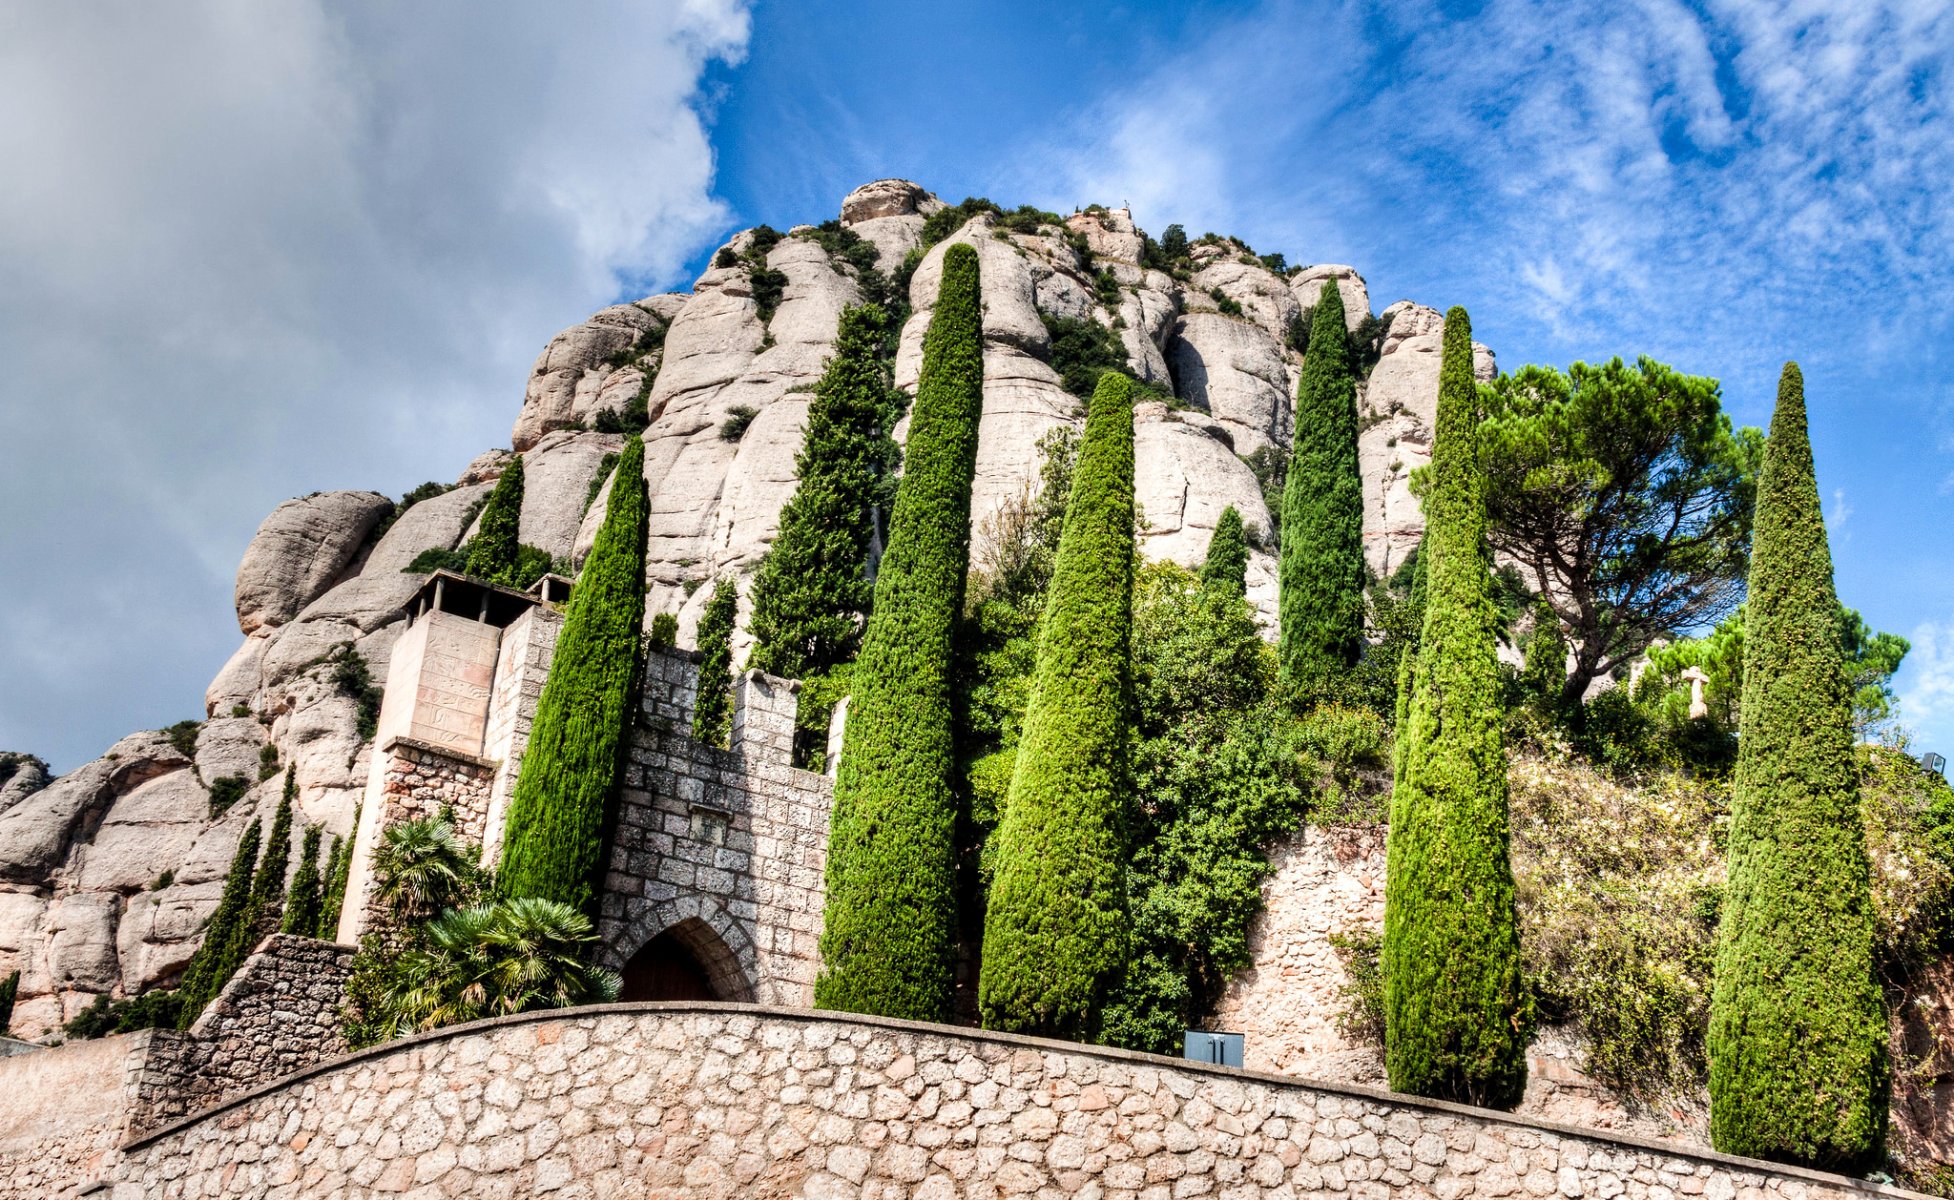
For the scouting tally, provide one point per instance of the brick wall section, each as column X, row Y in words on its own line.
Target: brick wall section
column 725, row 846
column 727, row 1101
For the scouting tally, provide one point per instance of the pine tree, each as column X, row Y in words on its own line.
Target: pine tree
column 303, row 906
column 339, row 866
column 553, row 846
column 712, row 712
column 1456, row 1010
column 1797, row 1041
column 1056, row 926
column 886, row 942
column 1226, row 567
column 1321, row 563
column 206, row 972
column 812, row 591
column 493, row 550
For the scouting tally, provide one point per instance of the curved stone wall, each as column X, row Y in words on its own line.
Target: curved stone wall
column 723, row 1100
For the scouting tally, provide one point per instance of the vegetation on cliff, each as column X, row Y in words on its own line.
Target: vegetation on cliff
column 1457, row 1015
column 886, row 941
column 1055, row 931
column 1798, row 1067
column 553, row 845
column 712, row 710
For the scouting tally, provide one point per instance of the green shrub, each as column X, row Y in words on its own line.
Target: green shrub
column 303, row 906
column 1229, row 306
column 1362, row 1017
column 492, row 551
column 1798, row 1068
column 225, row 791
column 267, row 761
column 183, row 737
column 886, row 942
column 738, row 419
column 1055, row 931
column 712, row 711
column 1457, row 1013
column 553, row 846
column 354, row 680
column 1321, row 569
column 1081, row 351
column 1270, row 465
column 1226, row 567
column 9, row 988
column 664, row 631
column 811, row 594
column 151, row 1010
column 436, row 558
column 844, row 244
column 605, row 466
column 217, row 955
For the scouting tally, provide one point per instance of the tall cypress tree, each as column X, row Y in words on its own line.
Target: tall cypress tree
column 339, row 865
column 554, row 844
column 812, row 591
column 206, row 972
column 712, row 711
column 1456, row 1011
column 493, row 550
column 1321, row 566
column 304, row 905
column 1797, row 1041
column 1226, row 567
column 1055, row 930
column 887, row 937
column 268, row 886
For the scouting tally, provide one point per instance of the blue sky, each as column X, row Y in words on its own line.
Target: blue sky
column 261, row 251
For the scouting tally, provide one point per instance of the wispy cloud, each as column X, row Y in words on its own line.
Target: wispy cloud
column 1927, row 698
column 253, row 250
column 1840, row 514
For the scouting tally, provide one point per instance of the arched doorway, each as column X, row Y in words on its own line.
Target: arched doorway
column 688, row 961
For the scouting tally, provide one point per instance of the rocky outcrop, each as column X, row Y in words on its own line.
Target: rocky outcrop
column 86, row 906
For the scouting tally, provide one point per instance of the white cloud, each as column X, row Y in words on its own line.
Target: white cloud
column 1841, row 511
column 1926, row 686
column 258, row 249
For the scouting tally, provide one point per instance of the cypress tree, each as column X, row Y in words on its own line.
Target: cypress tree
column 712, row 711
column 268, row 885
column 339, row 865
column 1055, row 929
column 201, row 978
column 493, row 550
column 1797, row 1038
column 812, row 590
column 1226, row 567
column 886, row 941
column 1321, row 564
column 553, row 846
column 303, row 906
column 1456, row 1012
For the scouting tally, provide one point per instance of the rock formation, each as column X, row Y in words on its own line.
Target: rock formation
column 107, row 873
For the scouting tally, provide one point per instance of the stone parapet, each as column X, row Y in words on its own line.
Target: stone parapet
column 702, row 1100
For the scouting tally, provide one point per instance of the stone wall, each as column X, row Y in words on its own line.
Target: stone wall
column 731, row 1101
column 63, row 1112
column 725, row 847
column 521, row 667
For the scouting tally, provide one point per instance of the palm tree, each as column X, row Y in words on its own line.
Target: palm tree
column 493, row 960
column 421, row 867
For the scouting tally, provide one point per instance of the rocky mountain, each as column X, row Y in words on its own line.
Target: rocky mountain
column 107, row 873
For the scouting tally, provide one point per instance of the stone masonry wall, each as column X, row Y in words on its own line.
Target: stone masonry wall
column 63, row 1112
column 521, row 666
column 727, row 1101
column 724, row 846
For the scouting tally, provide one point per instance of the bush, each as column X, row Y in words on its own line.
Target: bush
column 1225, row 569
column 738, row 419
column 712, row 711
column 605, row 466
column 267, row 761
column 354, row 680
column 151, row 1010
column 1457, row 1013
column 811, row 594
column 492, row 551
column 225, row 791
column 1056, row 927
column 9, row 988
column 664, row 631
column 1270, row 465
column 435, row 558
column 183, row 737
column 1229, row 307
column 1081, row 351
column 1321, row 568
column 886, row 941
column 1798, row 1032
column 553, row 846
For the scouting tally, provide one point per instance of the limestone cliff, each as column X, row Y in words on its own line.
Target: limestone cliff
column 107, row 874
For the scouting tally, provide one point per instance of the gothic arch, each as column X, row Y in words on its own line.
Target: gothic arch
column 709, row 934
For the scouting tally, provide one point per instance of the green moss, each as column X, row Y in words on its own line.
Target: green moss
column 1457, row 1012
column 886, row 942
column 1055, row 932
column 554, row 843
column 1321, row 568
column 1798, row 1068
